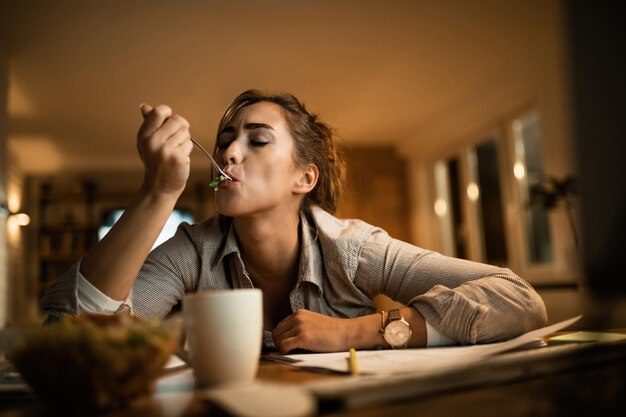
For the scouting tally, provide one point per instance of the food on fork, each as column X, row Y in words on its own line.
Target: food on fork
column 217, row 181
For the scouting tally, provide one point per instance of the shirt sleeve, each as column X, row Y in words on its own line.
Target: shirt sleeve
column 72, row 294
column 434, row 338
column 62, row 295
column 171, row 270
column 91, row 299
column 465, row 301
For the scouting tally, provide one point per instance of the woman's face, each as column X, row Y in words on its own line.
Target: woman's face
column 258, row 152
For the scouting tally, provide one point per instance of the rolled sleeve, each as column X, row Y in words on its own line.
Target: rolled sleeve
column 170, row 270
column 92, row 299
column 72, row 294
column 466, row 301
column 452, row 314
column 62, row 295
column 434, row 338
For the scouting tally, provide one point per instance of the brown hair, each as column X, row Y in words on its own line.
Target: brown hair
column 313, row 141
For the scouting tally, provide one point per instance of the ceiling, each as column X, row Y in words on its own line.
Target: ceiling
column 378, row 71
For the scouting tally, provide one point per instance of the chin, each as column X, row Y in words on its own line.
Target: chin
column 240, row 209
column 230, row 208
column 225, row 211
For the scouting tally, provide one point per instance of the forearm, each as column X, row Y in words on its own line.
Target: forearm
column 365, row 330
column 489, row 309
column 112, row 265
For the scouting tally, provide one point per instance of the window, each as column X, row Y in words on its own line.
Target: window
column 490, row 205
column 469, row 204
column 487, row 191
column 177, row 217
column 528, row 172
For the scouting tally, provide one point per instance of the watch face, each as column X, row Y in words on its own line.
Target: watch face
column 397, row 333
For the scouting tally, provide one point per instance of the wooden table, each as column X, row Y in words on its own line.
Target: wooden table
column 590, row 380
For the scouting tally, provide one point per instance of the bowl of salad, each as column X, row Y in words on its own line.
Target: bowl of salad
column 94, row 361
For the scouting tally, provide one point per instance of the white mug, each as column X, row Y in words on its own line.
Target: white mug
column 224, row 335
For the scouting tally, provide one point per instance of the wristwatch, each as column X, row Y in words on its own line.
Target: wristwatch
column 396, row 330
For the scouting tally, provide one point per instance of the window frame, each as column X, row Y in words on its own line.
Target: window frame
column 554, row 272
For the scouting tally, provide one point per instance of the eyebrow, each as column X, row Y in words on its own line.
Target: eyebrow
column 248, row 126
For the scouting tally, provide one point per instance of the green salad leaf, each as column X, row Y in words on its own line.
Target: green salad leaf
column 217, row 181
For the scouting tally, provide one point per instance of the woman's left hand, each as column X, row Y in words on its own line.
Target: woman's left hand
column 307, row 330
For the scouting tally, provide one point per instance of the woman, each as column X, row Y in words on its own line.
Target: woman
column 275, row 231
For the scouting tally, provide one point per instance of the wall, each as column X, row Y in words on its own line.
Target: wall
column 534, row 79
column 376, row 189
column 15, row 289
column 21, row 290
column 3, row 164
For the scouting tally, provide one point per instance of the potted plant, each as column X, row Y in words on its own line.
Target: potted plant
column 556, row 192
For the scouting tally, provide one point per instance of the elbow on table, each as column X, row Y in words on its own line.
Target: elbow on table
column 530, row 304
column 536, row 313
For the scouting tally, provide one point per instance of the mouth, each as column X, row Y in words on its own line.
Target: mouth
column 222, row 182
column 230, row 174
column 219, row 179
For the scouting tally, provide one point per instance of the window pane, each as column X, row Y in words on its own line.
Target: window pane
column 491, row 203
column 442, row 208
column 460, row 236
column 528, row 170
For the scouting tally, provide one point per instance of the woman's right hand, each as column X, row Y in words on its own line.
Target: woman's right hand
column 164, row 145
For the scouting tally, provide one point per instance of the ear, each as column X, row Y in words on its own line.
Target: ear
column 308, row 179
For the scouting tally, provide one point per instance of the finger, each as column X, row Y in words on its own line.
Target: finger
column 301, row 312
column 285, row 325
column 154, row 119
column 145, row 108
column 186, row 147
column 178, row 138
column 167, row 130
column 289, row 344
column 172, row 125
column 285, row 320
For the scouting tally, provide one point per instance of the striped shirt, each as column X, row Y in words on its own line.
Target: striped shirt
column 344, row 264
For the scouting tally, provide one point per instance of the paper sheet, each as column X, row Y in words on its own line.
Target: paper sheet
column 587, row 337
column 419, row 360
column 174, row 362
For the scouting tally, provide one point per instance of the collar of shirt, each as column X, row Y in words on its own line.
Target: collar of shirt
column 229, row 245
column 311, row 263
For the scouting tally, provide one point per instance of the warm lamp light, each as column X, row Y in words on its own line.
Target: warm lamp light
column 14, row 219
column 473, row 192
column 519, row 170
column 13, row 202
column 441, row 208
column 20, row 219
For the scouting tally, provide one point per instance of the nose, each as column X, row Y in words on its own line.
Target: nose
column 233, row 154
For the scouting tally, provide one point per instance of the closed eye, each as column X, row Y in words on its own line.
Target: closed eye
column 223, row 145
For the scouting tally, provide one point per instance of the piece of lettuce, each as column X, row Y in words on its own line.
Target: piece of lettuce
column 217, row 181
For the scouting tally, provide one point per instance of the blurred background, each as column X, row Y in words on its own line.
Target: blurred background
column 488, row 130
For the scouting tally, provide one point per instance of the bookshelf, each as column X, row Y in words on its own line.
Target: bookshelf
column 68, row 212
column 67, row 227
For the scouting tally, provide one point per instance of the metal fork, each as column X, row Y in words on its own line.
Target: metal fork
column 217, row 167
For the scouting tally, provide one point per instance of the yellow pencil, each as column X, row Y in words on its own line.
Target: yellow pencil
column 352, row 362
